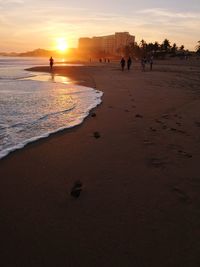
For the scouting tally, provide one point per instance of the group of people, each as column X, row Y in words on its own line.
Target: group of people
column 123, row 63
column 105, row 60
column 144, row 61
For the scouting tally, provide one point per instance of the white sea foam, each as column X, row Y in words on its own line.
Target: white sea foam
column 34, row 108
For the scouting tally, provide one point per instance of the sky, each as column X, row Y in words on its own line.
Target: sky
column 29, row 24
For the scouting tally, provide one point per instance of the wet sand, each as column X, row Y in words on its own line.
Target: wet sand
column 141, row 185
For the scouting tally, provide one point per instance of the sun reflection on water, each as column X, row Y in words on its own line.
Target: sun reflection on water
column 52, row 77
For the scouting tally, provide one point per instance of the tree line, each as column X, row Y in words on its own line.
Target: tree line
column 157, row 50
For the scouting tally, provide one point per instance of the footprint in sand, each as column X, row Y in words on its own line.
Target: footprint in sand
column 181, row 194
column 165, row 116
column 96, row 135
column 148, row 142
column 185, row 154
column 181, row 131
column 158, row 121
column 76, row 189
column 173, row 129
column 152, row 129
column 174, row 146
column 177, row 116
column 178, row 131
column 93, row 114
column 158, row 162
column 164, row 127
column 138, row 116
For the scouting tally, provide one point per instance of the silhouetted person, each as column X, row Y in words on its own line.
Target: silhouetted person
column 151, row 62
column 51, row 61
column 123, row 63
column 129, row 62
column 143, row 62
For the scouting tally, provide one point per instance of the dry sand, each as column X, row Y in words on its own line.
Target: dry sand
column 140, row 204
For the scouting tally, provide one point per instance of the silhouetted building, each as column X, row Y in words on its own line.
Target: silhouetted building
column 110, row 44
column 85, row 43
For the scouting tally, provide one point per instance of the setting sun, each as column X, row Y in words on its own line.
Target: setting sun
column 61, row 44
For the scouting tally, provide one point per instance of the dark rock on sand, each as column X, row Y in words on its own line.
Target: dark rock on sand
column 76, row 189
column 96, row 134
column 138, row 116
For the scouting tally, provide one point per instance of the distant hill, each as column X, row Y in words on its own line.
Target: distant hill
column 71, row 52
column 11, row 54
column 37, row 53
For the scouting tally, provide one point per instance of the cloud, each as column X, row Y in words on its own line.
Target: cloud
column 38, row 23
column 160, row 12
column 11, row 2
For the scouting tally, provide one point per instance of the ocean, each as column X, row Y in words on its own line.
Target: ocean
column 35, row 105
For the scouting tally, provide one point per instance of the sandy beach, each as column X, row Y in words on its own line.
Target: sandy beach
column 141, row 184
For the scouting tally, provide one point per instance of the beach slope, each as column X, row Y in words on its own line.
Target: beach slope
column 139, row 204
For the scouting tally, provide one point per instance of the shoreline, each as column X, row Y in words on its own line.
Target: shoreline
column 140, row 200
column 45, row 69
column 79, row 74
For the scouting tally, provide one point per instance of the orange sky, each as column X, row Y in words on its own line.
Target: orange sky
column 27, row 24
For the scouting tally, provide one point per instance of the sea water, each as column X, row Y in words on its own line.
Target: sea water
column 32, row 106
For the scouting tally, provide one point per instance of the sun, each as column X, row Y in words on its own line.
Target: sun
column 61, row 44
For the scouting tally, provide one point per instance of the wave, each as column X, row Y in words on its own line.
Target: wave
column 32, row 107
column 5, row 152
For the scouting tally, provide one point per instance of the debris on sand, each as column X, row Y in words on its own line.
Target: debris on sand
column 76, row 189
column 96, row 135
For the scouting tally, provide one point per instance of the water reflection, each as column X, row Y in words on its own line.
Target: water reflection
column 52, row 77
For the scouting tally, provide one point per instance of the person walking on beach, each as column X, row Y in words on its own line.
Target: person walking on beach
column 51, row 61
column 129, row 62
column 151, row 62
column 143, row 62
column 123, row 63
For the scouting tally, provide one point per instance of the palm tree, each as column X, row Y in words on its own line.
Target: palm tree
column 174, row 48
column 156, row 46
column 150, row 47
column 135, row 50
column 198, row 47
column 166, row 45
column 143, row 46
